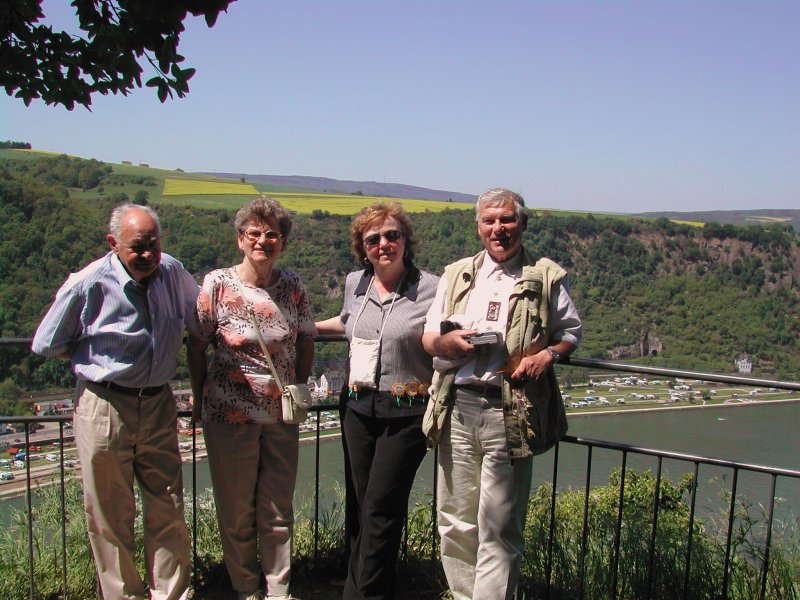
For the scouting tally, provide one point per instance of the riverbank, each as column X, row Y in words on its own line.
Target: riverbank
column 48, row 474
column 615, row 410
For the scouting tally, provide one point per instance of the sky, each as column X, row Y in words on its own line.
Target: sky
column 615, row 106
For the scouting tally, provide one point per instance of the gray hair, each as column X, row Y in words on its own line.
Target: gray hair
column 118, row 216
column 261, row 209
column 500, row 197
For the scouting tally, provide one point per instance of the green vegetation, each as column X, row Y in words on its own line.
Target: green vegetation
column 706, row 295
column 574, row 566
column 102, row 51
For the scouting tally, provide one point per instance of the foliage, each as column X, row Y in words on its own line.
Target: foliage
column 15, row 145
column 708, row 299
column 62, row 170
column 576, row 566
column 60, row 68
column 587, row 569
column 10, row 402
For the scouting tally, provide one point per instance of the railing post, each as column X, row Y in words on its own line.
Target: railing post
column 29, row 507
column 692, row 505
column 434, row 500
column 585, row 531
column 194, row 505
column 768, row 542
column 652, row 549
column 63, row 511
column 618, row 533
column 731, row 521
column 551, row 536
column 316, row 493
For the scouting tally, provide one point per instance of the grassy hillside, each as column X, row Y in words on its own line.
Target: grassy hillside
column 700, row 297
column 204, row 191
column 179, row 188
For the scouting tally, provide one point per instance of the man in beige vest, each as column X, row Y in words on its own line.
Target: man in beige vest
column 499, row 321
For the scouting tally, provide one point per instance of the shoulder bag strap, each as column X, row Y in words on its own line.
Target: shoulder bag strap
column 251, row 313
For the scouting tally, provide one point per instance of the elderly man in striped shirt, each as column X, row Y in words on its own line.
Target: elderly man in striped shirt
column 120, row 321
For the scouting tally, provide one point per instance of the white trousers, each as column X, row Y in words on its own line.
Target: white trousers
column 120, row 437
column 482, row 501
column 253, row 471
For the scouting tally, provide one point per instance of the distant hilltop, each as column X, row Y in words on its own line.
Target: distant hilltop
column 343, row 186
column 762, row 216
column 400, row 190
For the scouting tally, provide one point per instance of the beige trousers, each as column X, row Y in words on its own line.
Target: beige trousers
column 121, row 438
column 253, row 471
column 482, row 501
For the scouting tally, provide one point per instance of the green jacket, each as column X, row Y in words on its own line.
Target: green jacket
column 535, row 418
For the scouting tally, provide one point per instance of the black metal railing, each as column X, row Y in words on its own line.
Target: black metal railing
column 695, row 463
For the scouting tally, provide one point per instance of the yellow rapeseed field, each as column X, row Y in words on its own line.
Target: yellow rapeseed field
column 345, row 204
column 190, row 187
column 690, row 223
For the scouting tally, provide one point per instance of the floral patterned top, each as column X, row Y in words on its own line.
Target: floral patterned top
column 239, row 387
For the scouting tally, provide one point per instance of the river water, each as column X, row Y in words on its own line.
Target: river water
column 759, row 434
column 762, row 434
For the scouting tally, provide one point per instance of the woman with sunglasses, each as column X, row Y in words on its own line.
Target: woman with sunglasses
column 252, row 453
column 384, row 400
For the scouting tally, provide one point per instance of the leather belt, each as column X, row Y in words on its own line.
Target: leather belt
column 487, row 391
column 144, row 392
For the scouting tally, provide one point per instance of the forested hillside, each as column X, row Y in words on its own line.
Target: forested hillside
column 688, row 297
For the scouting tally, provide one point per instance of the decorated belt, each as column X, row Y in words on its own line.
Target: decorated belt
column 399, row 391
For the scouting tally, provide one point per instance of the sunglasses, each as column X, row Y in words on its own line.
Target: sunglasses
column 391, row 236
column 254, row 235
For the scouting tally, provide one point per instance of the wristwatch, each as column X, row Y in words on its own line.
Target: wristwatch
column 556, row 356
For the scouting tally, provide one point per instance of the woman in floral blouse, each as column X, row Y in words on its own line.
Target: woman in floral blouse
column 252, row 454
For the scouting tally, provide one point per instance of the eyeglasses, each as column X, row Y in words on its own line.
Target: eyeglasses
column 391, row 236
column 254, row 235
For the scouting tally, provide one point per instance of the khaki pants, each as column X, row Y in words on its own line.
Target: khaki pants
column 120, row 438
column 253, row 471
column 483, row 500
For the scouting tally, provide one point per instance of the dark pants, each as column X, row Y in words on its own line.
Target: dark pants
column 384, row 455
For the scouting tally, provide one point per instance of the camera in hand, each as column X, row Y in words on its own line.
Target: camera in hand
column 446, row 327
column 480, row 339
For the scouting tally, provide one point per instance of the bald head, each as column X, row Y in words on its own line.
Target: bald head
column 135, row 237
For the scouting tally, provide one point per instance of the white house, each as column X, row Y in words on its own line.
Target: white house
column 744, row 365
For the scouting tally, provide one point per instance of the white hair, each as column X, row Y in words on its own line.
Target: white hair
column 118, row 216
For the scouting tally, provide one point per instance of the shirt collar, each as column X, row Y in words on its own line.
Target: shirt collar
column 409, row 288
column 511, row 267
column 124, row 278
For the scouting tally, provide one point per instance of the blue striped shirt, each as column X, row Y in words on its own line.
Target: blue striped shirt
column 116, row 329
